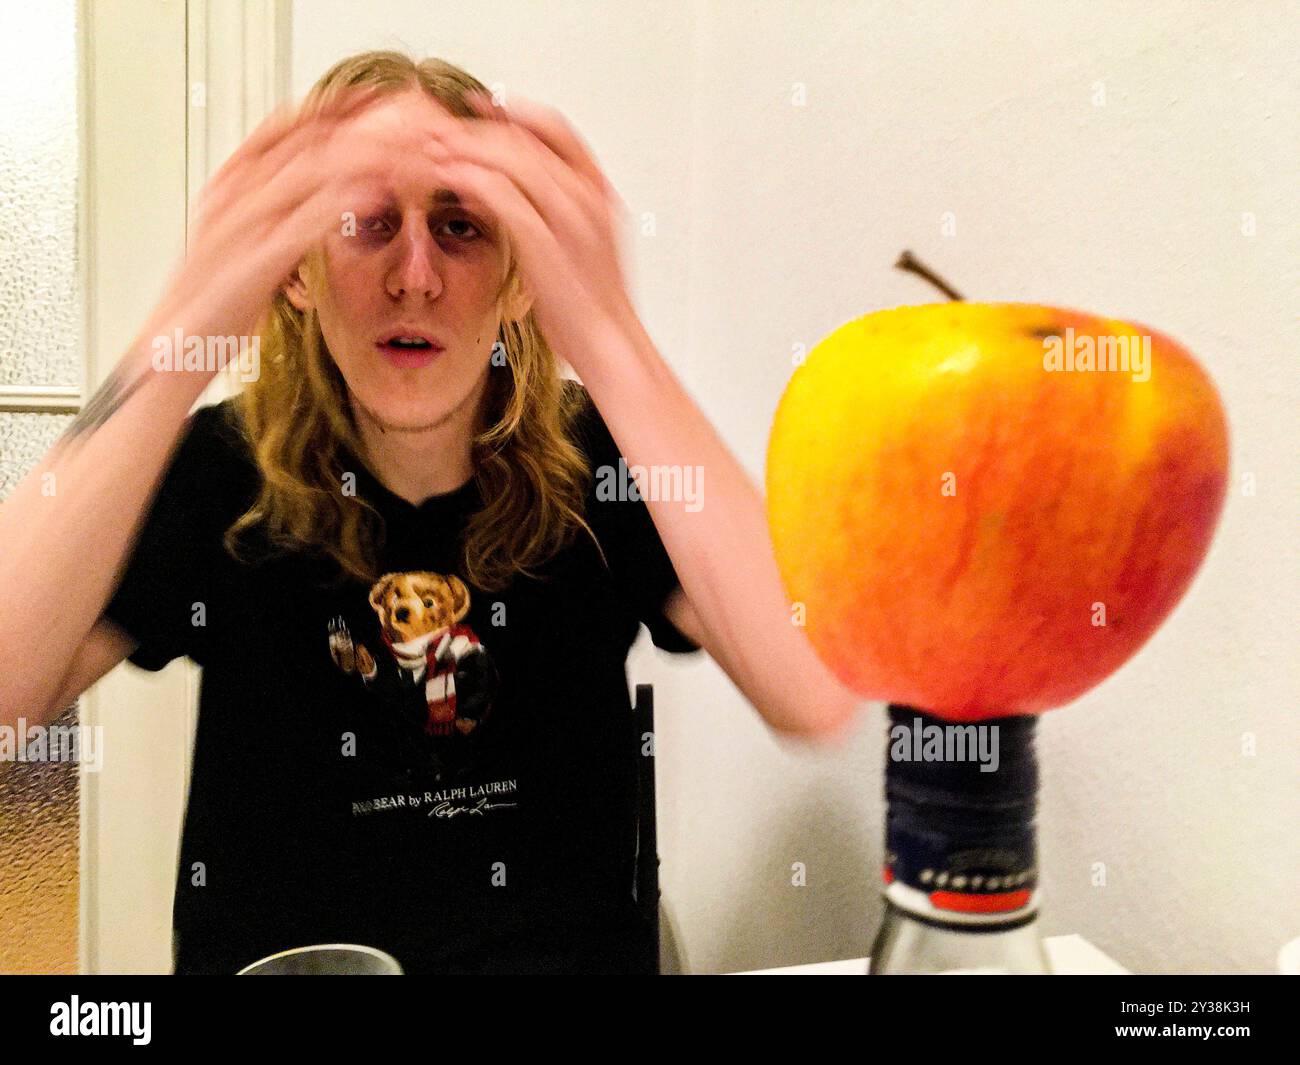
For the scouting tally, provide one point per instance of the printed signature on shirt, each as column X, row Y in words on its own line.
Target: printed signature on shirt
column 447, row 809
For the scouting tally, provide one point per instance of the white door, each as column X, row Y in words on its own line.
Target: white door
column 104, row 156
column 171, row 89
column 135, row 105
column 93, row 110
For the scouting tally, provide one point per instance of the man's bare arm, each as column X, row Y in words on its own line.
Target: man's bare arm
column 67, row 528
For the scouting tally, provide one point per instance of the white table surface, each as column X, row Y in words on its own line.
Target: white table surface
column 1069, row 956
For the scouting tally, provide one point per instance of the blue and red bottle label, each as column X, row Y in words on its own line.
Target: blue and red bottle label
column 960, row 840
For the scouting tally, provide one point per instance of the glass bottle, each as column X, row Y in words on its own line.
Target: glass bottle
column 961, row 880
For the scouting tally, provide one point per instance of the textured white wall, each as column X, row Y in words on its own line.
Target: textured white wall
column 1103, row 156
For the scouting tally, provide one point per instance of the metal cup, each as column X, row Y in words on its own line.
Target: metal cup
column 325, row 959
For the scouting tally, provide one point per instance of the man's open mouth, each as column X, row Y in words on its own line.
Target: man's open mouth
column 410, row 344
column 409, row 348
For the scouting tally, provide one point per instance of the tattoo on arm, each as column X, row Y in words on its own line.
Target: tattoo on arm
column 115, row 391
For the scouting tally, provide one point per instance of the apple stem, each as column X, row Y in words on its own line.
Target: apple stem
column 909, row 262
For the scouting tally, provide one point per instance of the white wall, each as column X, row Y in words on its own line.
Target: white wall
column 775, row 223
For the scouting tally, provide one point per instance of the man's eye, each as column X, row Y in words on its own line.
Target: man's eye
column 376, row 224
column 463, row 222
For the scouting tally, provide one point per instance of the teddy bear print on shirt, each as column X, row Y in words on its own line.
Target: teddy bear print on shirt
column 432, row 669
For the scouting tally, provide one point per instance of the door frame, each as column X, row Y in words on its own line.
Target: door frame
column 152, row 133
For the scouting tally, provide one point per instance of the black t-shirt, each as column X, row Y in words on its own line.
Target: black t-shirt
column 415, row 765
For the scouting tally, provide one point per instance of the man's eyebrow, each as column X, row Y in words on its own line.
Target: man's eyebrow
column 437, row 198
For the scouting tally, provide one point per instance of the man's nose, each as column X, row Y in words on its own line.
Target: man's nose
column 418, row 270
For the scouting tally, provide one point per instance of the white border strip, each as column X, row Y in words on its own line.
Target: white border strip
column 40, row 399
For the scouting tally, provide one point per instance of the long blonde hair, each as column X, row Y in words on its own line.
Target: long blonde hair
column 297, row 416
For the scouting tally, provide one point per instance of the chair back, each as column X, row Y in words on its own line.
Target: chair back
column 646, row 887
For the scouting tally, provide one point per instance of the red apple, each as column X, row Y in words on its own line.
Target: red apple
column 970, row 520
